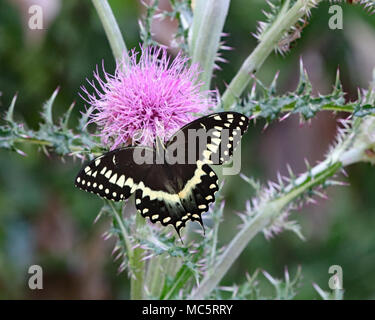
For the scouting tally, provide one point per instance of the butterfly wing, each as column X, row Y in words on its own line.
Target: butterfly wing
column 115, row 175
column 168, row 193
column 221, row 134
column 174, row 194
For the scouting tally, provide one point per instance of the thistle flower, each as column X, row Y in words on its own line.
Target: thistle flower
column 146, row 98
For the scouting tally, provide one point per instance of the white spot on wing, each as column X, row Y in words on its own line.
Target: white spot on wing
column 121, row 181
column 108, row 174
column 216, row 134
column 113, row 179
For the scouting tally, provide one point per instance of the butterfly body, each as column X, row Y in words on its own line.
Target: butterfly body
column 168, row 188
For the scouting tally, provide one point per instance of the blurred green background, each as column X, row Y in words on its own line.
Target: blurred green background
column 44, row 220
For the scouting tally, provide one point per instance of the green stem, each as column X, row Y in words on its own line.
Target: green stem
column 205, row 34
column 124, row 233
column 267, row 44
column 349, row 108
column 135, row 255
column 155, row 276
column 111, row 29
column 138, row 266
column 45, row 143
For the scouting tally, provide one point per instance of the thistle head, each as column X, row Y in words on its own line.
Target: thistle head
column 148, row 96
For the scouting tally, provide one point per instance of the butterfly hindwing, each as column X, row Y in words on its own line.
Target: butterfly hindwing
column 184, row 196
column 113, row 175
column 223, row 132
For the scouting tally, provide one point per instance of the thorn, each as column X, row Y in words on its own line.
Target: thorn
column 179, row 234
column 285, row 117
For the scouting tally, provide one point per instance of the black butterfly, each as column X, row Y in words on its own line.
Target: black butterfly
column 168, row 193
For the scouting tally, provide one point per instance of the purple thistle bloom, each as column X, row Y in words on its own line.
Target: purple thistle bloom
column 146, row 98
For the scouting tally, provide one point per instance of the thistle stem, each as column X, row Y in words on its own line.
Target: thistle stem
column 351, row 149
column 138, row 266
column 205, row 34
column 284, row 22
column 124, row 233
column 349, row 108
column 264, row 216
column 111, row 29
column 155, row 276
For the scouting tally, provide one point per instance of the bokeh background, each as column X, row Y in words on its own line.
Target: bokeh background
column 44, row 220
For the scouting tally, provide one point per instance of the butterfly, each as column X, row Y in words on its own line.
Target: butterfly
column 172, row 181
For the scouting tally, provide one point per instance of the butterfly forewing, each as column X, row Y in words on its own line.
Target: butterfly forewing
column 114, row 175
column 217, row 136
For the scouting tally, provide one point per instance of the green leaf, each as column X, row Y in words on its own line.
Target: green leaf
column 172, row 286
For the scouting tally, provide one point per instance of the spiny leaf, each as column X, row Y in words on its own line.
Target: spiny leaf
column 57, row 138
column 286, row 289
column 173, row 286
column 9, row 113
column 365, row 110
column 268, row 105
column 65, row 118
column 146, row 23
column 47, row 108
